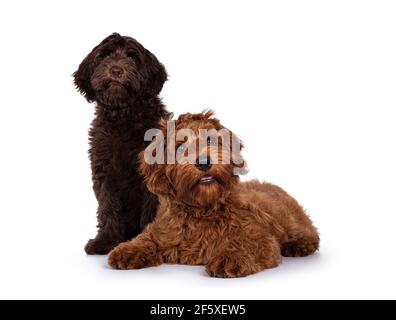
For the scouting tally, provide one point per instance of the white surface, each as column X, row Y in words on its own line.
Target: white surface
column 309, row 86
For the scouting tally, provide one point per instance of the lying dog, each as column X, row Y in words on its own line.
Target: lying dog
column 207, row 217
column 124, row 79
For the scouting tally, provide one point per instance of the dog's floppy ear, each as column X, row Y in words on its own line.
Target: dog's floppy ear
column 154, row 176
column 154, row 173
column 156, row 75
column 239, row 163
column 82, row 77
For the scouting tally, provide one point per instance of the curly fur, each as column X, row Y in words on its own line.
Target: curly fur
column 124, row 79
column 235, row 229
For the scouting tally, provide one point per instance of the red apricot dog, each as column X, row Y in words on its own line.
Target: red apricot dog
column 207, row 217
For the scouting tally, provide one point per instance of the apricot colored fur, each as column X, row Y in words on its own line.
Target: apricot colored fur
column 235, row 229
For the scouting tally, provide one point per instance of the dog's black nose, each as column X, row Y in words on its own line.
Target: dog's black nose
column 204, row 164
column 116, row 71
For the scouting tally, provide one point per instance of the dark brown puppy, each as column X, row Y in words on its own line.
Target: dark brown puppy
column 207, row 217
column 124, row 79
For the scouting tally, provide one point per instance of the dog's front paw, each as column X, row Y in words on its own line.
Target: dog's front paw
column 230, row 266
column 300, row 248
column 127, row 257
column 100, row 246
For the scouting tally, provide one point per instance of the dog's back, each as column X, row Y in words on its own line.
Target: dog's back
column 286, row 212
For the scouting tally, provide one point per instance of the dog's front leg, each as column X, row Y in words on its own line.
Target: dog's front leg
column 112, row 227
column 138, row 253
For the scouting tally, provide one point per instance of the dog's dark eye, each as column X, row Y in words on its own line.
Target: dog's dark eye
column 132, row 55
column 105, row 53
column 212, row 141
column 181, row 149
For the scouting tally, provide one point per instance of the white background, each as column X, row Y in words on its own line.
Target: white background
column 308, row 85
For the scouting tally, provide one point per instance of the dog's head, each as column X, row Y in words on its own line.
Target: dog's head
column 205, row 164
column 119, row 70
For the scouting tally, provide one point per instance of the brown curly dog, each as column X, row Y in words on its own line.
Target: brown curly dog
column 207, row 217
column 124, row 80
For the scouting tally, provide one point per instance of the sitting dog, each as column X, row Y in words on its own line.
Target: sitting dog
column 124, row 79
column 207, row 217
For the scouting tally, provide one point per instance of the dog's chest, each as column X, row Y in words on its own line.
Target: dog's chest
column 199, row 241
column 116, row 147
column 114, row 158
